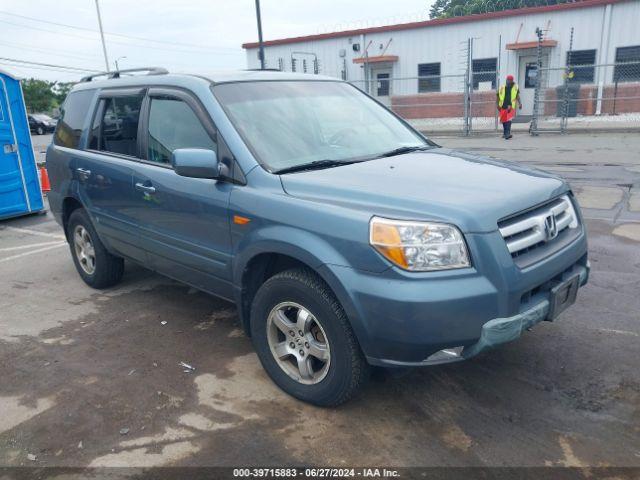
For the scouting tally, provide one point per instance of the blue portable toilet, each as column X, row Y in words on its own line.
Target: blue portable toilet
column 20, row 192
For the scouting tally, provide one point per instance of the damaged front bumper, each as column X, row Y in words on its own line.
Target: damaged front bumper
column 502, row 330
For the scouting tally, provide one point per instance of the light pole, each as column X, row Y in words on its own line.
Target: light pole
column 117, row 60
column 260, row 43
column 104, row 47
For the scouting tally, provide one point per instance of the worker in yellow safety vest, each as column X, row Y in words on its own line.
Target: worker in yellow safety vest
column 508, row 97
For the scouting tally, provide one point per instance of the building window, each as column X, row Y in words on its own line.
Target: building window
column 582, row 65
column 384, row 86
column 484, row 70
column 631, row 71
column 281, row 64
column 432, row 81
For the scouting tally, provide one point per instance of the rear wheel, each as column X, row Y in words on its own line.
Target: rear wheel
column 97, row 267
column 304, row 340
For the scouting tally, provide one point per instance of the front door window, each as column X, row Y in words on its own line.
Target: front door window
column 382, row 84
column 173, row 125
column 531, row 75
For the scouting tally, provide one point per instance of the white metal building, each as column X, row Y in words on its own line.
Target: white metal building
column 389, row 59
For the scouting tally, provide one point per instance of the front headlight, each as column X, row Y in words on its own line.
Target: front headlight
column 419, row 246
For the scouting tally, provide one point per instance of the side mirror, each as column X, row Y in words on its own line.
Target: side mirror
column 195, row 163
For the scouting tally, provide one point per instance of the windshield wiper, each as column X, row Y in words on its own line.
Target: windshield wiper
column 401, row 150
column 315, row 165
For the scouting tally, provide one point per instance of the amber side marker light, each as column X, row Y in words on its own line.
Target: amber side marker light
column 239, row 220
column 386, row 239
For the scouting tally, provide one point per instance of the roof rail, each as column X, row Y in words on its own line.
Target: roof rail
column 116, row 73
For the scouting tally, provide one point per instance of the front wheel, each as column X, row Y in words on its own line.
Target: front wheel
column 40, row 131
column 97, row 267
column 304, row 340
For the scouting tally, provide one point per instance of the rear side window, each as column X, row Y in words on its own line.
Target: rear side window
column 172, row 125
column 116, row 130
column 72, row 117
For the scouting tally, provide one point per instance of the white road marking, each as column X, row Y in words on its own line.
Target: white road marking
column 31, row 245
column 20, row 255
column 36, row 232
column 619, row 332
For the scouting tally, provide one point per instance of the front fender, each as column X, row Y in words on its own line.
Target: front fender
column 317, row 254
column 302, row 245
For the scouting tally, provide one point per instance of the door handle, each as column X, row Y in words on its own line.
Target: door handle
column 83, row 173
column 145, row 188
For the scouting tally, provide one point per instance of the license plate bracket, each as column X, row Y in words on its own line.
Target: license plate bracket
column 563, row 296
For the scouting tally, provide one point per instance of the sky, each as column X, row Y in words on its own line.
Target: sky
column 180, row 35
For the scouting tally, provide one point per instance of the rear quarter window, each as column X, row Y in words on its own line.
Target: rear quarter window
column 72, row 118
column 116, row 131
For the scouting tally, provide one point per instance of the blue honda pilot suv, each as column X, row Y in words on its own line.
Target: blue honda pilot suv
column 344, row 236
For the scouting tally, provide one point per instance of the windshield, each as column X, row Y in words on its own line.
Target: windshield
column 291, row 123
column 42, row 117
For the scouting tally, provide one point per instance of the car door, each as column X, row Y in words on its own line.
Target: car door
column 104, row 173
column 184, row 222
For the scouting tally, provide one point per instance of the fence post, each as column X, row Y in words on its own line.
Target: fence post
column 467, row 92
column 565, row 90
column 615, row 95
column 495, row 111
column 533, row 128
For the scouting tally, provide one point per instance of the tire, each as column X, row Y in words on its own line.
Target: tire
column 336, row 379
column 40, row 131
column 106, row 269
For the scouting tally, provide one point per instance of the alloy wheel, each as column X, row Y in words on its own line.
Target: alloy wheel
column 298, row 343
column 83, row 246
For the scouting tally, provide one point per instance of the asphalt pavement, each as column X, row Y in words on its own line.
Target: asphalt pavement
column 92, row 378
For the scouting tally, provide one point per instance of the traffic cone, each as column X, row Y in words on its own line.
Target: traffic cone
column 44, row 180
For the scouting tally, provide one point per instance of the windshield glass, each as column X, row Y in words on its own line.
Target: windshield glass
column 42, row 117
column 290, row 123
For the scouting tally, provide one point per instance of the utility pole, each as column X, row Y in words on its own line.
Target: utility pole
column 104, row 46
column 260, row 43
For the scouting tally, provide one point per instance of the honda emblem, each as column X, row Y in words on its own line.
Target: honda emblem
column 550, row 227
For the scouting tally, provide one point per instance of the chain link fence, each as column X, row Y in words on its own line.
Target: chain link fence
column 429, row 103
column 459, row 109
column 589, row 96
column 460, row 102
column 578, row 95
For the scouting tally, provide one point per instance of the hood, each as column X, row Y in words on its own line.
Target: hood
column 470, row 191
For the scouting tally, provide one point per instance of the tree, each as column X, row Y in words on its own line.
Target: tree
column 44, row 96
column 458, row 8
column 61, row 90
column 38, row 95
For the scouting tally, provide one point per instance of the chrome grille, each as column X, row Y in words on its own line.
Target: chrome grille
column 539, row 226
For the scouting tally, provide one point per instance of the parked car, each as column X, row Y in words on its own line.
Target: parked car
column 40, row 123
column 345, row 237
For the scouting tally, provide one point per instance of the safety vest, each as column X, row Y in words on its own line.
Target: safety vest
column 514, row 95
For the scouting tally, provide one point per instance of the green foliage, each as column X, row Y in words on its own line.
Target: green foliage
column 458, row 8
column 44, row 96
column 61, row 90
